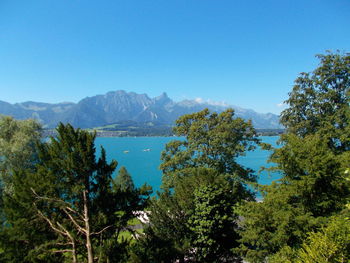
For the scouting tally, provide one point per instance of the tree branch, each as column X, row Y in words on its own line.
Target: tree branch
column 99, row 232
column 76, row 212
column 79, row 228
column 52, row 224
column 63, row 251
column 47, row 198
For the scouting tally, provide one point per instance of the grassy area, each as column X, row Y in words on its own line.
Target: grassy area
column 133, row 222
column 126, row 234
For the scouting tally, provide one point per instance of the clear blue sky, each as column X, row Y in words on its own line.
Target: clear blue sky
column 245, row 53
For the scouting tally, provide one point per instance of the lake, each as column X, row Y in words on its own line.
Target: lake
column 141, row 157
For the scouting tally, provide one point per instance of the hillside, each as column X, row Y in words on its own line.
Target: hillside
column 121, row 106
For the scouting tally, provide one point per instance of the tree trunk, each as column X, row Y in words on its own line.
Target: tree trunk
column 74, row 252
column 87, row 229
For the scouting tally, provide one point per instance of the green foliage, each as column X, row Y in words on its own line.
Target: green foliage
column 213, row 224
column 193, row 178
column 169, row 217
column 18, row 139
column 17, row 144
column 330, row 244
column 311, row 167
column 124, row 181
column 285, row 255
column 275, row 223
column 175, row 218
column 313, row 156
column 206, row 156
column 211, row 140
column 69, row 203
column 319, row 101
column 168, row 225
column 24, row 237
column 152, row 248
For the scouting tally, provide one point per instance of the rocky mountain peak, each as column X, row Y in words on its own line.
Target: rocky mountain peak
column 116, row 106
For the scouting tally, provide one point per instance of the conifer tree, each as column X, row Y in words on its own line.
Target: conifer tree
column 71, row 199
column 124, row 181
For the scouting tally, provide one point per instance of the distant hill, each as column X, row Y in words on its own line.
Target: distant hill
column 121, row 106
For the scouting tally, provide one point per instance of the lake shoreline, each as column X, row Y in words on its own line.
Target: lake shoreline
column 128, row 134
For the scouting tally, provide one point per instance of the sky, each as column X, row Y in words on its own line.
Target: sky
column 245, row 53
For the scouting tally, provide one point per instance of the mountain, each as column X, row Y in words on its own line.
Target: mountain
column 121, row 106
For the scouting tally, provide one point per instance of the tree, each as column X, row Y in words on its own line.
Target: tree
column 277, row 223
column 152, row 248
column 213, row 223
column 17, row 151
column 313, row 155
column 212, row 140
column 167, row 228
column 330, row 244
column 124, row 181
column 170, row 227
column 73, row 198
column 319, row 102
column 206, row 156
column 17, row 145
column 316, row 147
column 68, row 164
column 119, row 208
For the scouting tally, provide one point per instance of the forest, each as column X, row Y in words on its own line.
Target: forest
column 59, row 202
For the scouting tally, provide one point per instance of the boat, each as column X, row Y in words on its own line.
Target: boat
column 146, row 150
column 126, row 151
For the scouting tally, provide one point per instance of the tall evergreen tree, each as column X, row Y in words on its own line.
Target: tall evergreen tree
column 124, row 181
column 71, row 197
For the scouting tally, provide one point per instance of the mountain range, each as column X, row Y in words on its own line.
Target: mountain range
column 119, row 106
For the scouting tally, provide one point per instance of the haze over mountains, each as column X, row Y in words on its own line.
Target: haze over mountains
column 118, row 106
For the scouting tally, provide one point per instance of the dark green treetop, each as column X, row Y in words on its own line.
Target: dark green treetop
column 124, row 181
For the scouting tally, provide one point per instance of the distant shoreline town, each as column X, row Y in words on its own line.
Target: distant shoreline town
column 153, row 133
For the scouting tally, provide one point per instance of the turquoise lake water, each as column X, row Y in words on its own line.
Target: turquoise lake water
column 144, row 165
